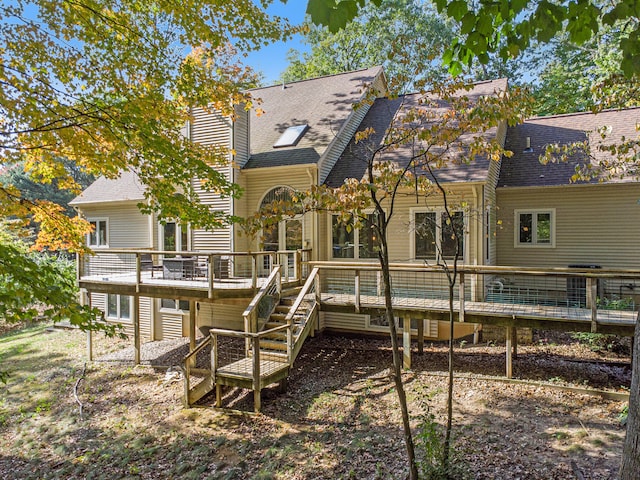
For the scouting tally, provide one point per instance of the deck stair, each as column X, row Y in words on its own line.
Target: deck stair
column 275, row 330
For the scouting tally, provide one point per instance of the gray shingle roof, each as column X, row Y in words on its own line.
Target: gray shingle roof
column 322, row 103
column 125, row 188
column 352, row 163
column 525, row 170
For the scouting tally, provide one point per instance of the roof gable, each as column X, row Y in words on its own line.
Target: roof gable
column 126, row 188
column 324, row 104
column 353, row 163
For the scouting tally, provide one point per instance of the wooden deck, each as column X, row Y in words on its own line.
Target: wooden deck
column 189, row 289
column 534, row 316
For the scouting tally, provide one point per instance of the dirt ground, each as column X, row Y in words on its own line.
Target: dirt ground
column 338, row 418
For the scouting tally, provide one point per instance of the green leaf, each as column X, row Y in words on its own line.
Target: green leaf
column 467, row 23
column 457, row 9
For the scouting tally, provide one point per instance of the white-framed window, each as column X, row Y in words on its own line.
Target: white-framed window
column 119, row 307
column 173, row 305
column 535, row 228
column 350, row 242
column 174, row 236
column 433, row 234
column 99, row 236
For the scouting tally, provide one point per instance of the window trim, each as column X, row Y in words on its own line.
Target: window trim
column 119, row 317
column 179, row 228
column 356, row 241
column 534, row 212
column 438, row 211
column 98, row 220
column 177, row 308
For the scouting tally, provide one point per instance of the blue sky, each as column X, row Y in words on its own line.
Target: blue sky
column 271, row 60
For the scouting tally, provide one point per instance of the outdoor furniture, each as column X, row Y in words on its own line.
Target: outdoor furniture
column 147, row 265
column 179, row 268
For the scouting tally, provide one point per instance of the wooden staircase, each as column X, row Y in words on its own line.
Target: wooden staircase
column 275, row 330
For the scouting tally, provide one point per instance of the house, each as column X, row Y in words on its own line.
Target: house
column 547, row 220
column 307, row 137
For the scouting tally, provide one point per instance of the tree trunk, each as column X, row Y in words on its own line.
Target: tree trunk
column 447, row 436
column 397, row 361
column 631, row 452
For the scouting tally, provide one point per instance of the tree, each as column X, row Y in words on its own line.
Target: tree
column 34, row 284
column 420, row 142
column 508, row 28
column 398, row 34
column 32, row 190
column 108, row 85
column 572, row 77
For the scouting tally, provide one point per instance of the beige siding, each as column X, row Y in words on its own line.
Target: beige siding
column 489, row 248
column 172, row 326
column 210, row 128
column 222, row 315
column 241, row 137
column 596, row 224
column 127, row 227
column 258, row 182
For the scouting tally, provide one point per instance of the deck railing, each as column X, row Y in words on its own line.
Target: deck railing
column 302, row 314
column 264, row 303
column 598, row 293
column 190, row 268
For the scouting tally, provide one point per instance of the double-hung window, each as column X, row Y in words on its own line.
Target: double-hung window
column 98, row 235
column 434, row 234
column 119, row 307
column 350, row 242
column 535, row 228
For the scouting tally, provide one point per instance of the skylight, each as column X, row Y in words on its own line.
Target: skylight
column 291, row 136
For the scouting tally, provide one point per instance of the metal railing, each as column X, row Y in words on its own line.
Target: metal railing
column 264, row 303
column 195, row 269
column 302, row 314
column 596, row 295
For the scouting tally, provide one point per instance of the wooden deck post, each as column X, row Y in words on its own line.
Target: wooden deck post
column 509, row 344
column 356, row 286
column 592, row 302
column 421, row 336
column 514, row 335
column 254, row 271
column 406, row 342
column 139, row 271
column 89, row 332
column 192, row 330
column 256, row 374
column 210, row 273
column 136, row 329
column 214, row 369
column 461, row 298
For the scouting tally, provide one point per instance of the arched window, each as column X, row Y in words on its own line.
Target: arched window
column 286, row 234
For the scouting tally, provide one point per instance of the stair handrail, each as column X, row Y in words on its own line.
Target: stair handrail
column 251, row 312
column 187, row 366
column 305, row 291
column 309, row 284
